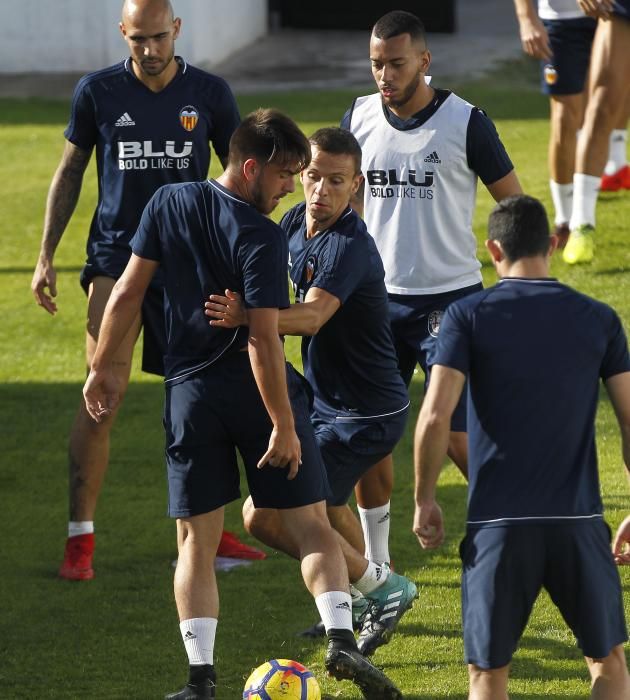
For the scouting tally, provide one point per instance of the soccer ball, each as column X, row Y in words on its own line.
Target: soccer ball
column 281, row 679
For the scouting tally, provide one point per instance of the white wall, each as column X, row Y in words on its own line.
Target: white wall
column 82, row 35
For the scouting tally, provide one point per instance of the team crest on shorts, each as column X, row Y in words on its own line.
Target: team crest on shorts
column 310, row 268
column 188, row 117
column 434, row 320
column 551, row 74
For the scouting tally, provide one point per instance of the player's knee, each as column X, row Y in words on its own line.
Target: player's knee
column 260, row 523
column 566, row 121
column 613, row 666
column 249, row 516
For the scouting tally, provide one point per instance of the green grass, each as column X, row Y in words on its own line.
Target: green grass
column 117, row 637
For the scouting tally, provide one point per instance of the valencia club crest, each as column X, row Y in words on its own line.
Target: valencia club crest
column 188, row 117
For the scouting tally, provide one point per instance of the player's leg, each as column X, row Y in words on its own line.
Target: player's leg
column 488, row 684
column 566, row 115
column 610, row 67
column 429, row 322
column 346, row 523
column 88, row 452
column 502, row 573
column 203, row 477
column 197, row 599
column 301, row 508
column 391, row 594
column 583, row 581
column 373, row 493
column 325, row 575
column 564, row 80
column 374, row 489
column 609, row 676
column 616, row 171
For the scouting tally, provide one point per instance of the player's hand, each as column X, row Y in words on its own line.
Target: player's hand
column 284, row 451
column 226, row 311
column 621, row 543
column 535, row 40
column 102, row 394
column 45, row 277
column 428, row 525
column 600, row 9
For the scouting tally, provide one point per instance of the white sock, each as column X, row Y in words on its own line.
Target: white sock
column 80, row 527
column 562, row 197
column 375, row 524
column 585, row 191
column 617, row 157
column 198, row 634
column 375, row 575
column 335, row 610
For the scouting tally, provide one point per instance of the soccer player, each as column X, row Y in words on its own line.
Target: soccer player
column 150, row 120
column 360, row 401
column 561, row 37
column 423, row 150
column 609, row 91
column 532, row 349
column 206, row 237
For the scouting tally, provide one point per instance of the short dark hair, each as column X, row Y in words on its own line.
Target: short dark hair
column 269, row 136
column 399, row 22
column 332, row 139
column 519, row 223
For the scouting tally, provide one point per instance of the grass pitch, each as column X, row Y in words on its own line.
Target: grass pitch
column 117, row 636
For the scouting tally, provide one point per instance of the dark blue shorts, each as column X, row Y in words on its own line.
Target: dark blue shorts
column 571, row 41
column 415, row 322
column 349, row 448
column 504, row 569
column 153, row 323
column 214, row 413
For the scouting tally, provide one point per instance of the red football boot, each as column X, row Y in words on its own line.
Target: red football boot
column 77, row 560
column 617, row 181
column 231, row 546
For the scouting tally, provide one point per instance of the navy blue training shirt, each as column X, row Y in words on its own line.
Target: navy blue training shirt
column 207, row 240
column 351, row 362
column 143, row 140
column 534, row 351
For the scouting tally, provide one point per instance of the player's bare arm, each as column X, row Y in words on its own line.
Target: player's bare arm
column 101, row 391
column 534, row 38
column 266, row 355
column 621, row 543
column 430, row 445
column 505, row 187
column 305, row 318
column 63, row 196
column 618, row 388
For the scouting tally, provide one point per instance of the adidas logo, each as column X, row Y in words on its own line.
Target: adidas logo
column 125, row 120
column 385, row 518
column 432, row 158
column 343, row 606
column 189, row 635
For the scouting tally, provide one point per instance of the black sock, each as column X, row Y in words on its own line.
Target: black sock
column 198, row 674
column 342, row 638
